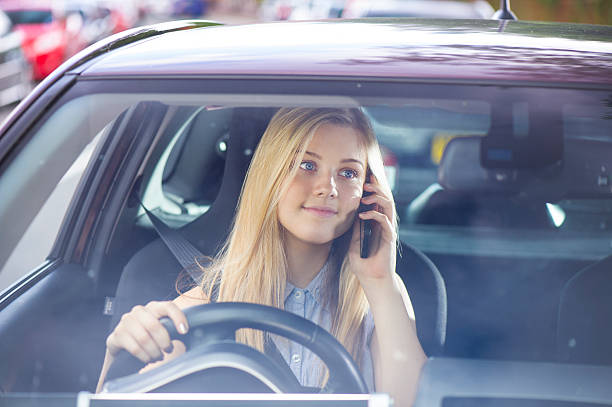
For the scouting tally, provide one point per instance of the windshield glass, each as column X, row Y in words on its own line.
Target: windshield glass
column 506, row 192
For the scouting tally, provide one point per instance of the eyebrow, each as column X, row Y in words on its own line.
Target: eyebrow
column 344, row 160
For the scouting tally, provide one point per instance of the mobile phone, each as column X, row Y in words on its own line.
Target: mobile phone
column 365, row 225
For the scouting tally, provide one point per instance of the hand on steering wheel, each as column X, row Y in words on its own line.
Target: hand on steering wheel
column 211, row 343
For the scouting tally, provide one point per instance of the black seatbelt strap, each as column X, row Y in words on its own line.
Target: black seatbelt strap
column 186, row 253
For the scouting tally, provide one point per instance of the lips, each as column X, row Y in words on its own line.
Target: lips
column 320, row 211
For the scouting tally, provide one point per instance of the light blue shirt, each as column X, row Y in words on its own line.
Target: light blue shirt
column 308, row 304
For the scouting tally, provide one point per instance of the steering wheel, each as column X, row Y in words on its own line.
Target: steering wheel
column 211, row 344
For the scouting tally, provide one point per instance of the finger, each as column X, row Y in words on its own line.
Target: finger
column 141, row 334
column 154, row 328
column 375, row 188
column 130, row 345
column 355, row 237
column 383, row 204
column 385, row 225
column 171, row 310
column 122, row 339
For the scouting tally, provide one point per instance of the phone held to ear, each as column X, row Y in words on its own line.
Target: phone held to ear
column 365, row 225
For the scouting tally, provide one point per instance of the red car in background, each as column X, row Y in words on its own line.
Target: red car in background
column 47, row 38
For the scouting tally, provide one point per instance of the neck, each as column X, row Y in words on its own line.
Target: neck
column 304, row 261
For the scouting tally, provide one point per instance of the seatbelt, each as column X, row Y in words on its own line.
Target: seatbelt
column 186, row 254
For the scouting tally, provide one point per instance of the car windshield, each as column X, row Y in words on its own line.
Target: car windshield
column 505, row 189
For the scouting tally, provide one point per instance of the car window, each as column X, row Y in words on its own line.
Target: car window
column 37, row 205
column 35, row 243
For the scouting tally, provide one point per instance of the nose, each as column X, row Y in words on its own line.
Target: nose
column 325, row 186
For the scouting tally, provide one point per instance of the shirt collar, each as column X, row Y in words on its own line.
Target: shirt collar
column 314, row 287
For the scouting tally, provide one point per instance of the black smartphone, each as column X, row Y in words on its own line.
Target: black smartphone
column 365, row 225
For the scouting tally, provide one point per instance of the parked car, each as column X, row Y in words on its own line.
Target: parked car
column 321, row 9
column 418, row 8
column 47, row 39
column 124, row 14
column 501, row 142
column 154, row 8
column 317, row 9
column 270, row 10
column 15, row 72
column 189, row 8
column 94, row 20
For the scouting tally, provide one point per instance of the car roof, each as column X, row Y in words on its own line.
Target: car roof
column 385, row 48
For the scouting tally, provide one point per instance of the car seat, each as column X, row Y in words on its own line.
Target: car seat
column 468, row 195
column 470, row 199
column 152, row 272
column 584, row 332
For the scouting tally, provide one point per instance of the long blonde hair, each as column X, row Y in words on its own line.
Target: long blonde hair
column 251, row 266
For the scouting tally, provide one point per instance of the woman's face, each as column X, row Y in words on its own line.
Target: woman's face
column 321, row 201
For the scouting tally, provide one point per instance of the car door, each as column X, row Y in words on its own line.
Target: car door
column 64, row 163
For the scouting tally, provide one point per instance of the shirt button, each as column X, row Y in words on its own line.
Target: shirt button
column 298, row 294
column 295, row 358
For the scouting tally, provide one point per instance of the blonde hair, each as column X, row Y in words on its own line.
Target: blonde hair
column 252, row 264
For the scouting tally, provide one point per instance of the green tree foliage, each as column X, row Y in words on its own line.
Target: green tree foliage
column 575, row 11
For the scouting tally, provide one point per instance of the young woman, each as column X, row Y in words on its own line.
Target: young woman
column 295, row 245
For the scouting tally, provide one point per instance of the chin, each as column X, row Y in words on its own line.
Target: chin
column 318, row 238
column 321, row 241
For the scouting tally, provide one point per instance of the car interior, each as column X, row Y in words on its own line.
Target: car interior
column 426, row 285
column 505, row 226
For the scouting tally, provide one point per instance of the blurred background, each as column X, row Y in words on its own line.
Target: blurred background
column 36, row 36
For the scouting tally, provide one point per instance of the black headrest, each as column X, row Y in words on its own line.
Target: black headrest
column 469, row 195
column 195, row 159
column 210, row 230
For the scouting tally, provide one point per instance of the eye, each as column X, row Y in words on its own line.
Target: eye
column 348, row 173
column 308, row 166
